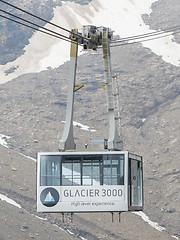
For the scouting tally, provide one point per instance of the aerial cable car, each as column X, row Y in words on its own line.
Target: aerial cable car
column 103, row 177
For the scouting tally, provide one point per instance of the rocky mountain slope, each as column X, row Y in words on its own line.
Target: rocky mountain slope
column 32, row 111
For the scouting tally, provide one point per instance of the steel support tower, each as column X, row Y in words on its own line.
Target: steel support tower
column 96, row 37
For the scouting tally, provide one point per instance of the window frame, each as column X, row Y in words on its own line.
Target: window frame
column 94, row 160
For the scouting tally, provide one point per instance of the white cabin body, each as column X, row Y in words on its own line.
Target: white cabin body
column 106, row 181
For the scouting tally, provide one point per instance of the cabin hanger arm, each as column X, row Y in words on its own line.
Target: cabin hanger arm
column 97, row 37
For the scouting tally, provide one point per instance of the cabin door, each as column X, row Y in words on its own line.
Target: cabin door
column 135, row 168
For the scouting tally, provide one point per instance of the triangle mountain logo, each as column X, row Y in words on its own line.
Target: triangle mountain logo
column 49, row 197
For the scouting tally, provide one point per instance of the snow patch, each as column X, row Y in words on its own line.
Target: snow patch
column 82, row 238
column 33, row 159
column 152, row 224
column 3, row 139
column 59, row 227
column 82, row 127
column 9, row 200
column 175, row 237
column 71, row 233
column 43, row 219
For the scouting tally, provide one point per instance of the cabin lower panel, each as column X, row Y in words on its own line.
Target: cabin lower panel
column 82, row 199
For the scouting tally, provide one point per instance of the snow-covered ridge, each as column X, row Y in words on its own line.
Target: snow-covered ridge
column 124, row 17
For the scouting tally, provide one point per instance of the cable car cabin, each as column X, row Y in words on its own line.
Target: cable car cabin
column 89, row 182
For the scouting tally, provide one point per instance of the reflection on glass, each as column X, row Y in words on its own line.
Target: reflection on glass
column 113, row 170
column 71, row 173
column 50, row 171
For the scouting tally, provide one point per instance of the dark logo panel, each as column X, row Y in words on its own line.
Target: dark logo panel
column 49, row 197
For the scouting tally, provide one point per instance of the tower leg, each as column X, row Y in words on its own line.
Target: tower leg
column 114, row 138
column 67, row 140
